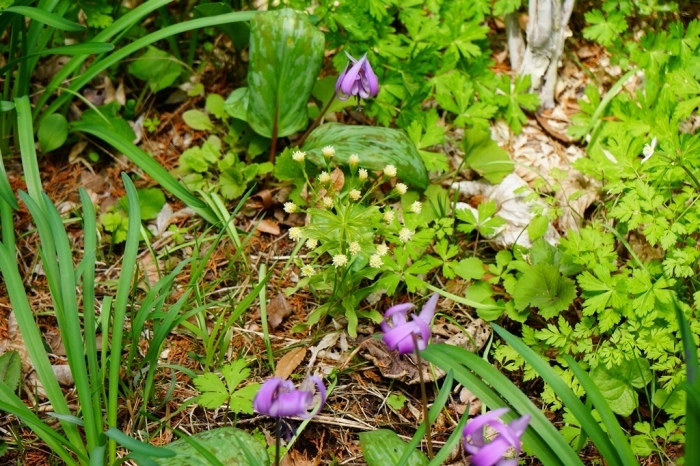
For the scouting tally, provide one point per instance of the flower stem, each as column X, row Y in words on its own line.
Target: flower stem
column 424, row 398
column 316, row 122
column 278, row 429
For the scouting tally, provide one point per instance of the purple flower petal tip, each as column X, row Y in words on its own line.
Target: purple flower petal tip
column 357, row 79
column 492, row 453
column 399, row 331
column 278, row 398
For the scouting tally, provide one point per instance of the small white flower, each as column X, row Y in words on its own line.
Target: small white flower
column 362, row 174
column 416, row 207
column 311, row 243
column 390, row 171
column 648, row 150
column 355, row 194
column 340, row 260
column 328, row 151
column 324, row 178
column 290, row 207
column 382, row 249
column 405, row 235
column 327, row 202
column 354, row 160
column 375, row 261
column 298, row 156
column 295, row 233
column 389, row 216
column 307, row 270
column 354, row 247
column 401, row 188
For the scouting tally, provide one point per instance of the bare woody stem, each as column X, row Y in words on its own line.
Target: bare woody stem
column 424, row 398
column 278, row 429
column 316, row 122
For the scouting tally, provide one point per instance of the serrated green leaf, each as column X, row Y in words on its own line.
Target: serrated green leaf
column 485, row 156
column 604, row 28
column 545, row 288
column 470, row 268
column 376, row 147
column 286, row 53
column 10, row 370
column 216, row 105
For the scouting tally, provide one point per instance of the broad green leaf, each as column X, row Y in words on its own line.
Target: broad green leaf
column 197, row 119
column 10, row 369
column 286, row 53
column 216, row 106
column 376, row 147
column 231, row 446
column 158, row 68
column 485, row 156
column 618, row 383
column 151, row 201
column 383, row 447
column 470, row 268
column 108, row 118
column 396, row 401
column 52, row 132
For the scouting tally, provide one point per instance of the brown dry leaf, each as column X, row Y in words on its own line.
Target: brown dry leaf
column 268, row 226
column 290, row 362
column 337, row 179
column 295, row 458
column 63, row 375
column 262, row 199
column 393, row 366
column 277, row 309
column 150, row 270
column 15, row 342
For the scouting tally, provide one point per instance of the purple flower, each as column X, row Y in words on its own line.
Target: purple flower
column 278, row 398
column 398, row 330
column 359, row 80
column 491, row 454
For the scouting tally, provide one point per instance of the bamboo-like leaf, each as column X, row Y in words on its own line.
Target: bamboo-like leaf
column 286, row 53
column 137, row 446
column 692, row 421
column 570, row 400
column 376, row 147
column 620, row 440
column 469, row 369
column 45, row 17
column 150, row 166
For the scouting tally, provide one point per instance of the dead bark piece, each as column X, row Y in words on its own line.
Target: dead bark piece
column 290, row 362
column 547, row 30
column 277, row 309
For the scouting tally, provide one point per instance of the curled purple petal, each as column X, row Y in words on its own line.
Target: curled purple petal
column 357, row 79
column 398, row 331
column 278, row 398
column 507, row 436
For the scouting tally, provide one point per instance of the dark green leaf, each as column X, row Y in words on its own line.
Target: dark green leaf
column 286, row 53
column 485, row 156
column 45, row 17
column 375, row 146
column 543, row 287
column 239, row 33
column 158, row 68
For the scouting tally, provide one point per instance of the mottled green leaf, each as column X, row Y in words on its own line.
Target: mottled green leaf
column 231, row 446
column 383, row 447
column 376, row 147
column 236, row 104
column 286, row 52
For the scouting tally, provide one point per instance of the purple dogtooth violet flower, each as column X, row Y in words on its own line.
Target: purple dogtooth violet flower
column 278, row 398
column 491, row 453
column 399, row 331
column 359, row 80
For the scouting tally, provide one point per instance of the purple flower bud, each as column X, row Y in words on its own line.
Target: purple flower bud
column 278, row 398
column 398, row 330
column 359, row 80
column 491, row 453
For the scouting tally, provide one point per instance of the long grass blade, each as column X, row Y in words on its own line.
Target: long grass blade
column 119, row 311
column 45, row 17
column 87, row 48
column 30, row 165
column 568, row 397
column 541, row 437
column 619, row 439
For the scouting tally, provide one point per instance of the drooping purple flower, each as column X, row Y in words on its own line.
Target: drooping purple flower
column 398, row 330
column 278, row 398
column 491, row 453
column 359, row 80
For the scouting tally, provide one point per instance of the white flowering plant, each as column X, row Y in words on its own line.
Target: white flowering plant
column 357, row 233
